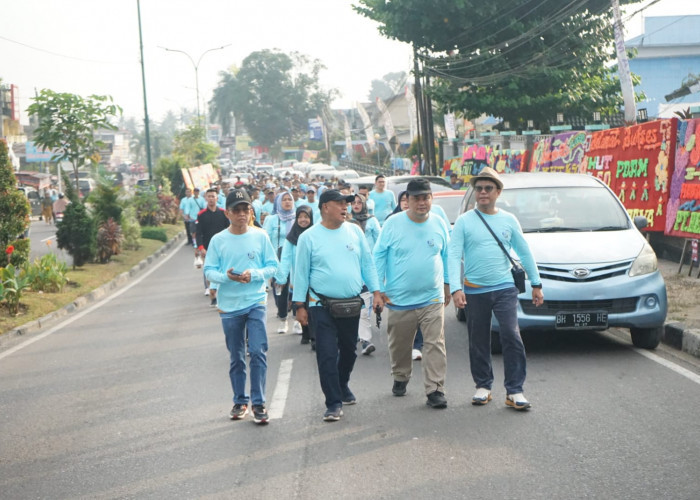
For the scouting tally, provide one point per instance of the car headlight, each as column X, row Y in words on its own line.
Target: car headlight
column 645, row 262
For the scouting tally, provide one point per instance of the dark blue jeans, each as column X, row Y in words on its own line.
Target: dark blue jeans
column 235, row 333
column 504, row 306
column 336, row 340
column 282, row 302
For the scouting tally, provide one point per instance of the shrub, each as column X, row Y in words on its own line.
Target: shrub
column 147, row 208
column 76, row 234
column 105, row 202
column 154, row 233
column 131, row 230
column 46, row 274
column 169, row 208
column 109, row 240
column 14, row 207
column 20, row 255
column 13, row 285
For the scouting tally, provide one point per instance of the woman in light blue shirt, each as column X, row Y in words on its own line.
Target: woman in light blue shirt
column 285, row 271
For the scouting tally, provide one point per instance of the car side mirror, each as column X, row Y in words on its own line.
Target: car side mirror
column 640, row 221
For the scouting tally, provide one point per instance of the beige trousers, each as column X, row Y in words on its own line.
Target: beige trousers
column 402, row 327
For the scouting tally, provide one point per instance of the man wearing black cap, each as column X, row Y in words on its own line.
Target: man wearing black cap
column 411, row 259
column 240, row 260
column 486, row 288
column 333, row 260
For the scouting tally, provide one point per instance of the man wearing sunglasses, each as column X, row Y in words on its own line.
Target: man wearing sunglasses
column 487, row 287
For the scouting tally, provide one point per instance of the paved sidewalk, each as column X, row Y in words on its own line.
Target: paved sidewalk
column 682, row 329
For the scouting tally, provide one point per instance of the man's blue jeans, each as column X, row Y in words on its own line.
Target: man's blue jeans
column 336, row 340
column 235, row 332
column 504, row 306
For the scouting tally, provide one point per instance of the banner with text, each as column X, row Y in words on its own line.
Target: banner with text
column 560, row 153
column 683, row 209
column 634, row 162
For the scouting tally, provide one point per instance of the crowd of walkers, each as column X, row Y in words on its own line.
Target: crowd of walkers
column 333, row 258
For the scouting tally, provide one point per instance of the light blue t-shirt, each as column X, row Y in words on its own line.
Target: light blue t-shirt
column 221, row 200
column 314, row 210
column 372, row 230
column 194, row 206
column 240, row 252
column 286, row 267
column 411, row 260
column 257, row 208
column 268, row 207
column 334, row 262
column 439, row 211
column 384, row 203
column 185, row 205
column 486, row 267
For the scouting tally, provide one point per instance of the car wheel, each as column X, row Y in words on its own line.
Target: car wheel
column 646, row 338
column 461, row 314
column 496, row 343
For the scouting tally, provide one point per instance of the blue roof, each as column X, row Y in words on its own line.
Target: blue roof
column 668, row 30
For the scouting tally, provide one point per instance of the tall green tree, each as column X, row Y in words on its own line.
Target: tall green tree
column 67, row 125
column 515, row 59
column 14, row 212
column 274, row 94
column 223, row 103
column 388, row 86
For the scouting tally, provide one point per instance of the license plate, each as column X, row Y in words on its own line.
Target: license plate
column 587, row 319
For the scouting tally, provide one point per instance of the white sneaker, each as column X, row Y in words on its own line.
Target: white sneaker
column 482, row 396
column 517, row 401
column 206, row 292
column 198, row 262
column 417, row 355
column 297, row 327
column 282, row 328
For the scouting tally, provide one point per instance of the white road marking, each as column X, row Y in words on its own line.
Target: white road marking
column 670, row 365
column 47, row 239
column 279, row 398
column 79, row 315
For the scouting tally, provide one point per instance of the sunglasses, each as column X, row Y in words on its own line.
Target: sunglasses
column 487, row 189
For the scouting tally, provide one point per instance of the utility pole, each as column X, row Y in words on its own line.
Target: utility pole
column 147, row 128
column 419, row 99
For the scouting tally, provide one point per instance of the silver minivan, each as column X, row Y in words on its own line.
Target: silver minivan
column 597, row 269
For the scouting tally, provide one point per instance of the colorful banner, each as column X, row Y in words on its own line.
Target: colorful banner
column 315, row 129
column 243, row 142
column 309, row 156
column 634, row 162
column 478, row 156
column 186, row 178
column 560, row 153
column 210, row 172
column 683, row 209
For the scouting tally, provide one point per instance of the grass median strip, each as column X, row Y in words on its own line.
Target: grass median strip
column 82, row 281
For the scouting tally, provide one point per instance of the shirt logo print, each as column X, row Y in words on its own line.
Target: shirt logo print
column 251, row 255
column 350, row 247
column 431, row 243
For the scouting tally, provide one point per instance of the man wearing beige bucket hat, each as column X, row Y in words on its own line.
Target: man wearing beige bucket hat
column 480, row 238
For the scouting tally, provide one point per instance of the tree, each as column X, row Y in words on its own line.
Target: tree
column 14, row 212
column 67, row 125
column 191, row 144
column 274, row 94
column 222, row 104
column 511, row 58
column 390, row 85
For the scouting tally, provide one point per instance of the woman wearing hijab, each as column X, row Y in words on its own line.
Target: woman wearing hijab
column 277, row 227
column 369, row 223
column 401, row 205
column 285, row 272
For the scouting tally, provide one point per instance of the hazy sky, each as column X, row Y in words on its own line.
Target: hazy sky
column 92, row 46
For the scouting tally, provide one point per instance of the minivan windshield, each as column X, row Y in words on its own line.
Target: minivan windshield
column 564, row 209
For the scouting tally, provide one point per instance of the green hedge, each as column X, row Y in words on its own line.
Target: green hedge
column 154, row 233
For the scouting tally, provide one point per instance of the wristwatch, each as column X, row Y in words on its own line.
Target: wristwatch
column 537, row 286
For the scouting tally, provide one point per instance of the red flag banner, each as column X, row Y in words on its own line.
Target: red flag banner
column 636, row 163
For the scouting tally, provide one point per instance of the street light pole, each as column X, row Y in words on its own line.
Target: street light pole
column 196, row 69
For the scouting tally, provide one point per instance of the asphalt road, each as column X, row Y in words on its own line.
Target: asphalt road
column 130, row 399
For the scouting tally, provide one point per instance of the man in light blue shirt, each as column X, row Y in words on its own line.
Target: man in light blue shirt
column 384, row 199
column 411, row 260
column 333, row 260
column 239, row 261
column 313, row 203
column 190, row 229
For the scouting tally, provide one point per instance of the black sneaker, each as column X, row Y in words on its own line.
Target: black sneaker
column 367, row 348
column 332, row 414
column 260, row 415
column 436, row 400
column 213, row 302
column 238, row 411
column 348, row 397
column 304, row 341
column 399, row 388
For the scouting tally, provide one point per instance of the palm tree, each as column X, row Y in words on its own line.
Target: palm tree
column 222, row 104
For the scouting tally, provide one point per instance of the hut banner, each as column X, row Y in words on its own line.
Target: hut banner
column 634, row 162
column 683, row 209
column 478, row 156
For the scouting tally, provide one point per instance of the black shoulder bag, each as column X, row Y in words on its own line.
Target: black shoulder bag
column 517, row 271
column 341, row 308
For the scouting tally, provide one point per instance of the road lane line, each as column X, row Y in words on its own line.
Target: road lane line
column 279, row 398
column 47, row 239
column 670, row 365
column 102, row 302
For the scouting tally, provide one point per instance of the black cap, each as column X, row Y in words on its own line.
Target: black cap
column 236, row 197
column 417, row 187
column 334, row 195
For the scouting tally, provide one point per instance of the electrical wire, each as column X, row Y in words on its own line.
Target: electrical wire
column 38, row 49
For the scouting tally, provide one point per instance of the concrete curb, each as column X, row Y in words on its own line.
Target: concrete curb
column 21, row 332
column 684, row 339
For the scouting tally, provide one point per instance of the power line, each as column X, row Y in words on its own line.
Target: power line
column 38, row 49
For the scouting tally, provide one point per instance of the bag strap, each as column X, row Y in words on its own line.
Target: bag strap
column 500, row 244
